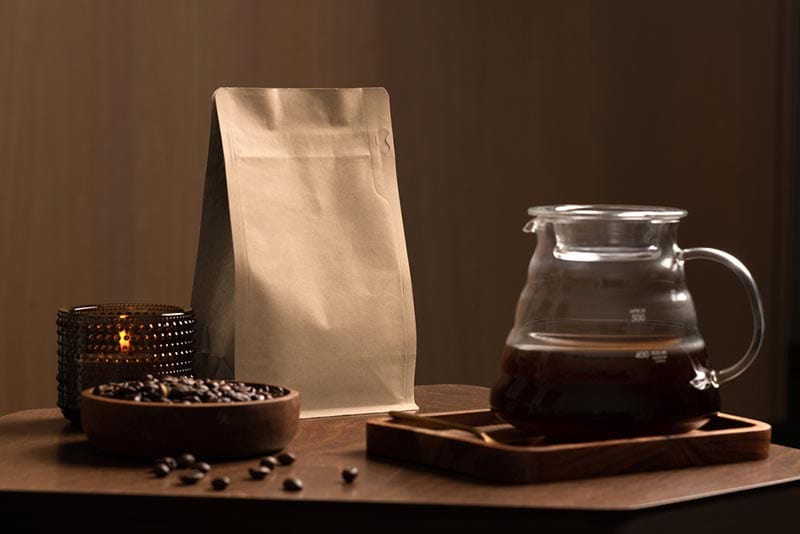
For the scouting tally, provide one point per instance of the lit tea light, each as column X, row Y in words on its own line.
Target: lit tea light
column 124, row 341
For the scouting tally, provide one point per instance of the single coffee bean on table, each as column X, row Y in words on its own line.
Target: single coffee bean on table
column 292, row 484
column 192, row 476
column 286, row 458
column 259, row 472
column 220, row 483
column 349, row 474
column 187, row 390
column 169, row 461
column 202, row 466
column 185, row 460
column 269, row 461
column 161, row 470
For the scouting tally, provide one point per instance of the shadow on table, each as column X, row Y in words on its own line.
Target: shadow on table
column 71, row 447
column 83, row 454
column 37, row 427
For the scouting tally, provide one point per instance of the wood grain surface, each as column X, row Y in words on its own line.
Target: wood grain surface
column 40, row 452
column 496, row 105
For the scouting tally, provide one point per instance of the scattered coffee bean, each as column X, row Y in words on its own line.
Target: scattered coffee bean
column 185, row 460
column 192, row 476
column 220, row 483
column 187, row 390
column 286, row 458
column 349, row 474
column 292, row 484
column 269, row 461
column 169, row 461
column 161, row 470
column 202, row 466
column 259, row 472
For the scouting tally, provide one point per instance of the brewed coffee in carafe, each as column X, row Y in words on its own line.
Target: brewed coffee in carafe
column 605, row 340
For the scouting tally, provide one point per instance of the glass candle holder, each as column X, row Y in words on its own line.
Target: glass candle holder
column 119, row 342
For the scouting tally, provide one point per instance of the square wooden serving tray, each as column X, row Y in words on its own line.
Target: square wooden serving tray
column 725, row 438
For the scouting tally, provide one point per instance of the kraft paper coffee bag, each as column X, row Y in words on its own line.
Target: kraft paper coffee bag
column 302, row 276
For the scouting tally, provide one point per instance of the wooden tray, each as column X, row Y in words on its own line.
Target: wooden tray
column 726, row 438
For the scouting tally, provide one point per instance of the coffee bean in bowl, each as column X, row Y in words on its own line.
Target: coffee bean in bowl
column 187, row 390
column 211, row 418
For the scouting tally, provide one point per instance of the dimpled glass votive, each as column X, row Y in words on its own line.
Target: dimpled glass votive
column 119, row 342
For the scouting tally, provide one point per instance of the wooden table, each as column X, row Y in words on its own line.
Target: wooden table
column 51, row 476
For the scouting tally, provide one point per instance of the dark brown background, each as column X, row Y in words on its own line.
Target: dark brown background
column 497, row 105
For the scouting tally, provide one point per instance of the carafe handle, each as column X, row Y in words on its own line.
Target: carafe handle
column 731, row 262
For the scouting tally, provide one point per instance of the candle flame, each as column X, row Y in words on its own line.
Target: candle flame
column 124, row 341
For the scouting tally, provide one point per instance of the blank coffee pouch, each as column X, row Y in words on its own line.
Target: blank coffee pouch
column 302, row 275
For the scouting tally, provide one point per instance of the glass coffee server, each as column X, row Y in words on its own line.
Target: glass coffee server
column 605, row 339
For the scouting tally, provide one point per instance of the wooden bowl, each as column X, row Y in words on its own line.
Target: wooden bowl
column 207, row 430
